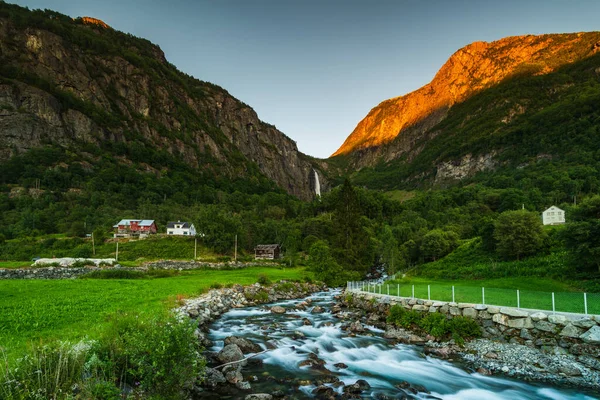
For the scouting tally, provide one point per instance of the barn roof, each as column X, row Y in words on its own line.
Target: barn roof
column 266, row 247
column 141, row 222
column 171, row 224
column 553, row 208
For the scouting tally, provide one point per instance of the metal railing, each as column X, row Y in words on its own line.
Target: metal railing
column 567, row 302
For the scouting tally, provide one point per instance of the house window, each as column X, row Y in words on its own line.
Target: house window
column 185, row 233
column 170, row 233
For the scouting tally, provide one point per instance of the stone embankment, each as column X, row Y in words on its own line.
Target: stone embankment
column 228, row 363
column 529, row 345
column 61, row 269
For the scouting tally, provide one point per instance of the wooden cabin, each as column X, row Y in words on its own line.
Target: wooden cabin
column 267, row 252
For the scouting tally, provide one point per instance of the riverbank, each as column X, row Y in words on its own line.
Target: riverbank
column 320, row 347
column 536, row 348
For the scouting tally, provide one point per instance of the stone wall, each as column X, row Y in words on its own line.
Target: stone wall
column 53, row 272
column 65, row 272
column 577, row 334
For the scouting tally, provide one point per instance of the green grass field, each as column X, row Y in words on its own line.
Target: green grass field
column 41, row 310
column 15, row 264
column 534, row 293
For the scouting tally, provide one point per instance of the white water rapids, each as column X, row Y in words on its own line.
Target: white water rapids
column 371, row 358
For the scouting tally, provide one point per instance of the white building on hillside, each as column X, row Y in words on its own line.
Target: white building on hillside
column 553, row 216
column 181, row 228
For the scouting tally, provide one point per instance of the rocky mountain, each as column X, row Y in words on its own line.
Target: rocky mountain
column 81, row 85
column 400, row 127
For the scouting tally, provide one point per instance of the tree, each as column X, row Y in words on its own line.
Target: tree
column 324, row 266
column 582, row 235
column 518, row 233
column 351, row 242
column 437, row 243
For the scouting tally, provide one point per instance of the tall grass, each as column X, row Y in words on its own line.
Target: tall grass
column 134, row 357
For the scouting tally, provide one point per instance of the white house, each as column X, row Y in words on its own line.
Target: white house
column 553, row 216
column 181, row 228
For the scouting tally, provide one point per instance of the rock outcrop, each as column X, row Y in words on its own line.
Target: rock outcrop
column 396, row 126
column 96, row 85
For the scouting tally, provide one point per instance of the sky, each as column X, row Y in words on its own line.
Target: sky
column 315, row 68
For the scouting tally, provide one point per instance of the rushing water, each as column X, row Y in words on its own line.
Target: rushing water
column 371, row 358
column 317, row 184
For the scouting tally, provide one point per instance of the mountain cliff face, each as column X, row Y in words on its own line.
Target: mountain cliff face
column 394, row 127
column 79, row 83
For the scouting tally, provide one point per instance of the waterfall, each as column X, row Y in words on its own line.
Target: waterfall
column 317, row 184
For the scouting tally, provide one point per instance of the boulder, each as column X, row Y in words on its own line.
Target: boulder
column 340, row 365
column 245, row 345
column 243, row 385
column 558, row 319
column 454, row 311
column 584, row 323
column 538, row 316
column 323, row 392
column 592, row 336
column 258, row 396
column 520, row 323
column 501, row 319
column 419, row 307
column 230, row 353
column 278, row 310
column 570, row 331
column 306, row 321
column 234, row 376
column 213, row 377
column 470, row 313
column 545, row 326
column 317, row 310
column 514, row 312
column 356, row 326
column 493, row 309
column 466, row 305
column 485, row 315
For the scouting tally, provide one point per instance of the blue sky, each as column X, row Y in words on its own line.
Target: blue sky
column 315, row 68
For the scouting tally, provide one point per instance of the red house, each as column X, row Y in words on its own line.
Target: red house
column 135, row 228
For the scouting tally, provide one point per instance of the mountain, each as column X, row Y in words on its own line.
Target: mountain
column 392, row 129
column 83, row 89
column 539, row 134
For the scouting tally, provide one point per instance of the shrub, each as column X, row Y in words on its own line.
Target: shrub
column 435, row 324
column 463, row 328
column 216, row 285
column 261, row 296
column 114, row 274
column 160, row 355
column 263, row 279
column 402, row 317
column 82, row 263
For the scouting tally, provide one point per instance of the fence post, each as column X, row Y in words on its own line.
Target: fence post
column 585, row 303
column 398, row 290
column 518, row 299
column 413, row 291
column 482, row 295
column 380, row 285
column 428, row 292
column 453, row 294
column 388, row 289
column 553, row 304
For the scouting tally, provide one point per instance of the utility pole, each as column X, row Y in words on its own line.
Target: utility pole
column 235, row 251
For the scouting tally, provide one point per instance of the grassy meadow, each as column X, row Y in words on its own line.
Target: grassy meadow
column 34, row 311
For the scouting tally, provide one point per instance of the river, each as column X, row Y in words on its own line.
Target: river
column 369, row 357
